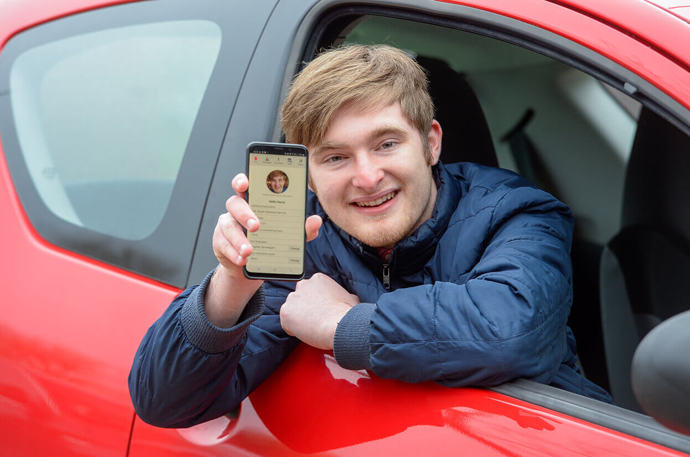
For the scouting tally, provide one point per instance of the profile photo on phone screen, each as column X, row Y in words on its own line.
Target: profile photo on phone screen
column 277, row 181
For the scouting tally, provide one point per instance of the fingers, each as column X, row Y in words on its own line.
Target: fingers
column 226, row 254
column 240, row 184
column 284, row 321
column 312, row 226
column 229, row 242
column 239, row 210
column 229, row 239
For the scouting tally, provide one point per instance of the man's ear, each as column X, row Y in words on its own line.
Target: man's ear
column 434, row 141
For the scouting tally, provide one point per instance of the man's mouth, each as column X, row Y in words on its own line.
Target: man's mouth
column 379, row 201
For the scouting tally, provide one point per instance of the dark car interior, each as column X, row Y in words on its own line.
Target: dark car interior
column 645, row 266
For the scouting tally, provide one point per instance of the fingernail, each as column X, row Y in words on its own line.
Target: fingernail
column 243, row 249
column 251, row 223
column 240, row 259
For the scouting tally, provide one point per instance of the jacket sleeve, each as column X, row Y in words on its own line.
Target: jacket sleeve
column 187, row 371
column 504, row 319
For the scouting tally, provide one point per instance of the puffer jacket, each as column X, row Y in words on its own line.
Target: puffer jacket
column 478, row 295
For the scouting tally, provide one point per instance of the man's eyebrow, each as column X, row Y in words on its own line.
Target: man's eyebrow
column 388, row 130
column 379, row 132
column 327, row 145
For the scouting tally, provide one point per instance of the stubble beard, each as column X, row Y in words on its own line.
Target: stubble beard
column 377, row 234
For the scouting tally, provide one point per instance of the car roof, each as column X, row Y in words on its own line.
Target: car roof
column 660, row 24
column 680, row 8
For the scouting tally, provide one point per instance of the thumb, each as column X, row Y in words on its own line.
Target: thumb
column 312, row 226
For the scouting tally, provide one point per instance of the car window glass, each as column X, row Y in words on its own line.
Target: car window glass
column 103, row 120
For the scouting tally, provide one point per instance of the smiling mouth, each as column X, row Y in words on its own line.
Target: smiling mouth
column 377, row 202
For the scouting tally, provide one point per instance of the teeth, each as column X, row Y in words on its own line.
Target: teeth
column 378, row 201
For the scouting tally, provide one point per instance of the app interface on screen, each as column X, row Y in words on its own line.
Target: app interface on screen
column 277, row 187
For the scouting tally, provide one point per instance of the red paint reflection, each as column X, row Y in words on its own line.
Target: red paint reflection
column 341, row 408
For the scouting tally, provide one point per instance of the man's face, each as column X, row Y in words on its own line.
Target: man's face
column 277, row 183
column 371, row 175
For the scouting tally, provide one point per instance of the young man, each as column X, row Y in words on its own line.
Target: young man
column 416, row 271
column 277, row 181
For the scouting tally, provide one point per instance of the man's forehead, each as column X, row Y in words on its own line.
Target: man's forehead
column 357, row 108
column 392, row 119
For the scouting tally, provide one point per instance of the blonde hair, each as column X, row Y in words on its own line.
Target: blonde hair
column 370, row 76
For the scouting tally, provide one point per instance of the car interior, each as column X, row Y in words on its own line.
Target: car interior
column 617, row 164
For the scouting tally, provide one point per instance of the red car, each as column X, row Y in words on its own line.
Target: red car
column 122, row 123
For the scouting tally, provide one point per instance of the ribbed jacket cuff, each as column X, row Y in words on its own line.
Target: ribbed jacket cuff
column 208, row 337
column 351, row 341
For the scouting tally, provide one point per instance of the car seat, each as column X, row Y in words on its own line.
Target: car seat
column 645, row 268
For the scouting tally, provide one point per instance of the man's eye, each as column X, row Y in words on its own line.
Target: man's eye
column 388, row 145
column 333, row 159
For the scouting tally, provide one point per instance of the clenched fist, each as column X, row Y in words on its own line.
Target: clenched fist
column 312, row 312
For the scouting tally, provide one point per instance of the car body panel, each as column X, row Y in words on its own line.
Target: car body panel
column 71, row 324
column 676, row 7
column 18, row 16
column 344, row 412
column 66, row 343
column 669, row 4
column 638, row 18
column 682, row 11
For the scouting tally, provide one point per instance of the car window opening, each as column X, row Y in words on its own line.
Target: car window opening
column 573, row 135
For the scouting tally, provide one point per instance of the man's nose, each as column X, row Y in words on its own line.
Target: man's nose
column 368, row 173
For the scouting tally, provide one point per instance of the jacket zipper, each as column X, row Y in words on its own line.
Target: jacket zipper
column 386, row 276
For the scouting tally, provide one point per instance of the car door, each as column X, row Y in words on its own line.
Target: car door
column 561, row 88
column 111, row 121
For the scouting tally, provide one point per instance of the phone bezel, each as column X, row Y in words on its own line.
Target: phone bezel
column 279, row 149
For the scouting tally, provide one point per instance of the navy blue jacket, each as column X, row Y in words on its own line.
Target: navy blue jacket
column 479, row 295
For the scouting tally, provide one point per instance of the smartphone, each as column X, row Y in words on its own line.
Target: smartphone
column 277, row 194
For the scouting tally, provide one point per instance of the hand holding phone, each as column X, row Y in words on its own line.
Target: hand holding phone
column 230, row 244
column 231, row 288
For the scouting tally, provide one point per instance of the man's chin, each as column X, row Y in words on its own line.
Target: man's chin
column 378, row 237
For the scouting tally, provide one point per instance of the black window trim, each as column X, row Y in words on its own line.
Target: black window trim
column 610, row 416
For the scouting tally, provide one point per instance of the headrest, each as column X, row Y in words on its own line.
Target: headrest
column 466, row 136
column 657, row 181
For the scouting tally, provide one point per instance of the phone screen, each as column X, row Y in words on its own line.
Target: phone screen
column 277, row 194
